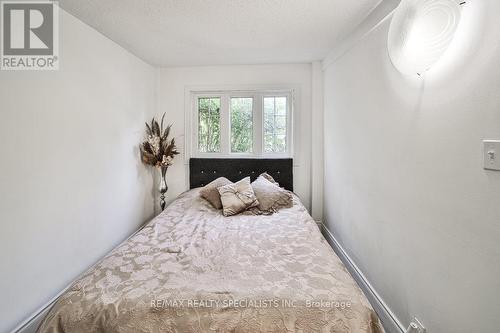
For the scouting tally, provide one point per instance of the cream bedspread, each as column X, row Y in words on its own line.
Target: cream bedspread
column 193, row 270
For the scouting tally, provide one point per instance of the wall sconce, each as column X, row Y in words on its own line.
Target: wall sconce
column 420, row 33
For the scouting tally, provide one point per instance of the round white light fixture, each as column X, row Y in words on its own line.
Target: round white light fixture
column 420, row 33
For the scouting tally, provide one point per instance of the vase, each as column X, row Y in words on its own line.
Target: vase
column 163, row 186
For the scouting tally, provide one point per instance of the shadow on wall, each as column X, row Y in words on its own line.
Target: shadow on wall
column 144, row 172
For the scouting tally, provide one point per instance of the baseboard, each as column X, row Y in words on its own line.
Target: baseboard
column 389, row 320
column 31, row 325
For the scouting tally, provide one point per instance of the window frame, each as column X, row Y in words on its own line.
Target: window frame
column 254, row 145
column 288, row 125
column 225, row 96
column 198, row 122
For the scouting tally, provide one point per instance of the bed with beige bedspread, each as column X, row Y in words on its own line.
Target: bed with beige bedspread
column 193, row 270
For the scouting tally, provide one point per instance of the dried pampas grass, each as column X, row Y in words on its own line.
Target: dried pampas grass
column 157, row 150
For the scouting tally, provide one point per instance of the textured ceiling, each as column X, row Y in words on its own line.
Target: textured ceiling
column 216, row 32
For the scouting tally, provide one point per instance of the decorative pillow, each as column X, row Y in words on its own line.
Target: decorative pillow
column 210, row 193
column 237, row 197
column 270, row 178
column 271, row 197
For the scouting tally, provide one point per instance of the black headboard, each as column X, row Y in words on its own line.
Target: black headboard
column 203, row 170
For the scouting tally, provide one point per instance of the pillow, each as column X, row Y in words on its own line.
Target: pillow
column 209, row 192
column 271, row 197
column 269, row 177
column 237, row 197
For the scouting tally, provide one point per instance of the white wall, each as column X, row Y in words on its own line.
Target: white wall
column 405, row 191
column 174, row 82
column 317, row 136
column 71, row 182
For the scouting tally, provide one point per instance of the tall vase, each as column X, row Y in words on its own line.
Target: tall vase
column 163, row 186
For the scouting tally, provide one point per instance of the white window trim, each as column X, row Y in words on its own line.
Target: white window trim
column 225, row 93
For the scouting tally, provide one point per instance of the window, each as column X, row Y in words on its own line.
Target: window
column 275, row 120
column 242, row 123
column 209, row 124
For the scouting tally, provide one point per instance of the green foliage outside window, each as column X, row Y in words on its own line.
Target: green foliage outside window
column 241, row 124
column 209, row 124
column 275, row 125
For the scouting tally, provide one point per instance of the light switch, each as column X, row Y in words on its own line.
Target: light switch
column 491, row 153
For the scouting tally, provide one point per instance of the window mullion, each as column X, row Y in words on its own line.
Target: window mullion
column 274, row 124
column 289, row 123
column 225, row 128
column 258, row 124
column 195, row 126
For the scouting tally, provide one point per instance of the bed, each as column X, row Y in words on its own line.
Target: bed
column 193, row 270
